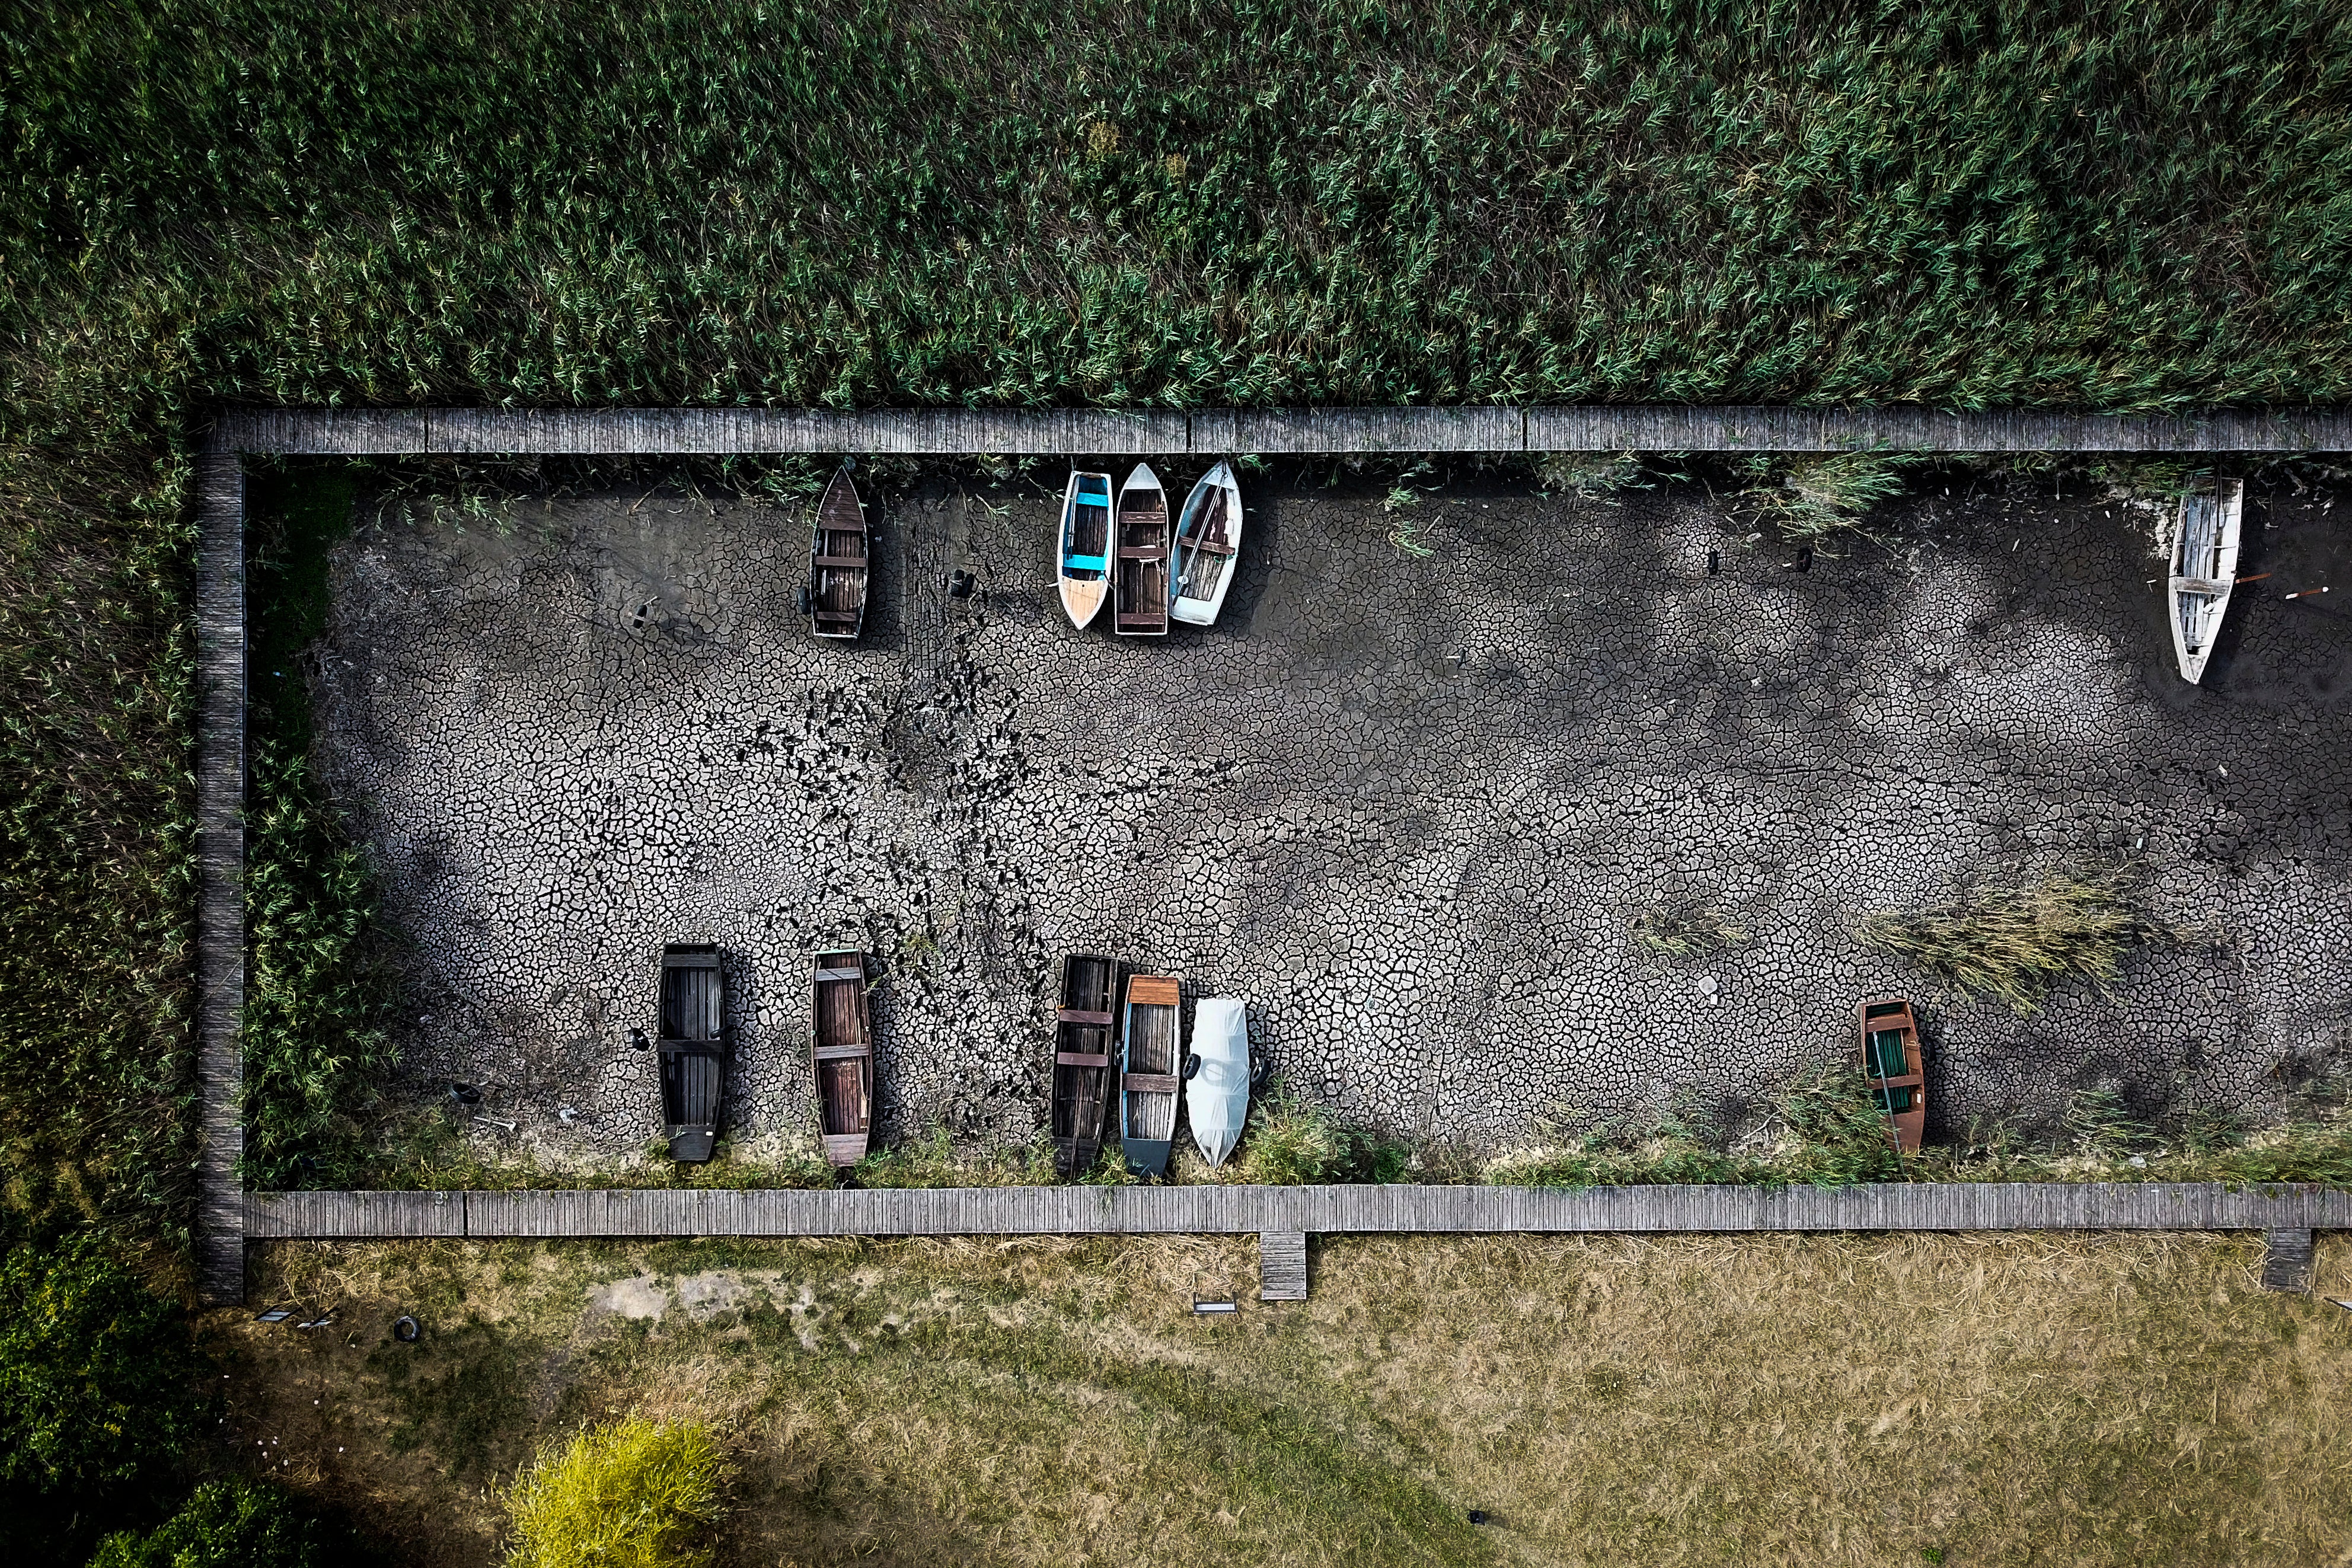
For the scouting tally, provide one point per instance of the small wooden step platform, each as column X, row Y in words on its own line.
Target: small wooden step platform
column 1282, row 1265
column 2286, row 1260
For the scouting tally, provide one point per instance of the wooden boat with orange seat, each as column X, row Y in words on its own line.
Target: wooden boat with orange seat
column 691, row 1048
column 840, row 569
column 843, row 1056
column 1140, row 589
column 1892, row 1064
column 1147, row 1082
column 1082, row 1040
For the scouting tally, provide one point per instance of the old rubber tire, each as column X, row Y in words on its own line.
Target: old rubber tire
column 406, row 1330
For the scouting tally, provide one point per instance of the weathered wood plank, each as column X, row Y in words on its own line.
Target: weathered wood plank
column 319, row 432
column 220, row 874
column 1241, row 1210
column 949, row 432
column 1281, row 1266
column 2286, row 1260
column 355, row 1214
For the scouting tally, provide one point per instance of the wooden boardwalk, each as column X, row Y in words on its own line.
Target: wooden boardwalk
column 1304, row 1210
column 220, row 875
column 951, row 432
column 225, row 1211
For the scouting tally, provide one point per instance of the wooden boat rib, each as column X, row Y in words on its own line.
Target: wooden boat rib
column 840, row 568
column 843, row 1056
column 1148, row 1084
column 1891, row 1062
column 1082, row 559
column 1208, row 546
column 1140, row 595
column 691, row 1048
column 2204, row 567
column 1082, row 1060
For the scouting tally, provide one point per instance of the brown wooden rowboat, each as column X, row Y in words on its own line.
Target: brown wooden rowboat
column 1083, row 1033
column 840, row 565
column 843, row 1056
column 1892, row 1064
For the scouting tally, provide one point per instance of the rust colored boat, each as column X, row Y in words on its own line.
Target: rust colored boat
column 843, row 1056
column 1891, row 1061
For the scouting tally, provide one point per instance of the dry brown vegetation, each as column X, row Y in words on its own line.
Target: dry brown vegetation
column 1968, row 1400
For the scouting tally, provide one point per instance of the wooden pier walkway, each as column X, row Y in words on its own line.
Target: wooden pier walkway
column 1205, row 433
column 1300, row 1210
column 227, row 1213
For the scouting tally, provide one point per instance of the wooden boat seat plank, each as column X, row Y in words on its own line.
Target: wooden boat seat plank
column 851, row 562
column 1153, row 990
column 838, row 1052
column 1079, row 1059
column 1078, row 1015
column 1150, row 1083
column 826, row 975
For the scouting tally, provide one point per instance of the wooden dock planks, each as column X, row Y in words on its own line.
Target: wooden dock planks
column 954, row 431
column 220, row 875
column 1281, row 1266
column 1307, row 1211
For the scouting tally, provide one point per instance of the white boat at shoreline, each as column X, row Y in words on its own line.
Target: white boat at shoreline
column 1208, row 544
column 2204, row 567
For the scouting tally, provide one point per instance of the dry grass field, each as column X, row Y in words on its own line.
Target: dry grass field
column 1866, row 1400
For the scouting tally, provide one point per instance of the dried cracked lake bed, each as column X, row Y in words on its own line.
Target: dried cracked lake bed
column 1407, row 807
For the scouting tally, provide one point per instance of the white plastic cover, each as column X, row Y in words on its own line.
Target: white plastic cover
column 1217, row 1096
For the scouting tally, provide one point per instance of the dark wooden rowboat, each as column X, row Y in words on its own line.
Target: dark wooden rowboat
column 1149, row 1086
column 840, row 569
column 1082, row 1040
column 1140, row 593
column 1891, row 1062
column 691, row 1047
column 843, row 1056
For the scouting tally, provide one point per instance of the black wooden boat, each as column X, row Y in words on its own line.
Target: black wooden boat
column 840, row 569
column 692, row 1047
column 843, row 1056
column 1082, row 1040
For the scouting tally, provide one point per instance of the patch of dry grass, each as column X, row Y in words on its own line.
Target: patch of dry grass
column 2109, row 1399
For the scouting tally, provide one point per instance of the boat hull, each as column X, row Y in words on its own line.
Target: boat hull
column 1083, row 1061
column 1208, row 548
column 1149, row 1077
column 1139, row 583
column 1216, row 1092
column 840, row 1055
column 2204, row 567
column 1082, row 547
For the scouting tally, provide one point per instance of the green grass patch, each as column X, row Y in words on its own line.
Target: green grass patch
column 630, row 1494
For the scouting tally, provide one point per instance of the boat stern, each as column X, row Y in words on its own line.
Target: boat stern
column 1148, row 1156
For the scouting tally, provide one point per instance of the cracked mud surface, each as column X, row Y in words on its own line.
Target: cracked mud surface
column 1407, row 808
